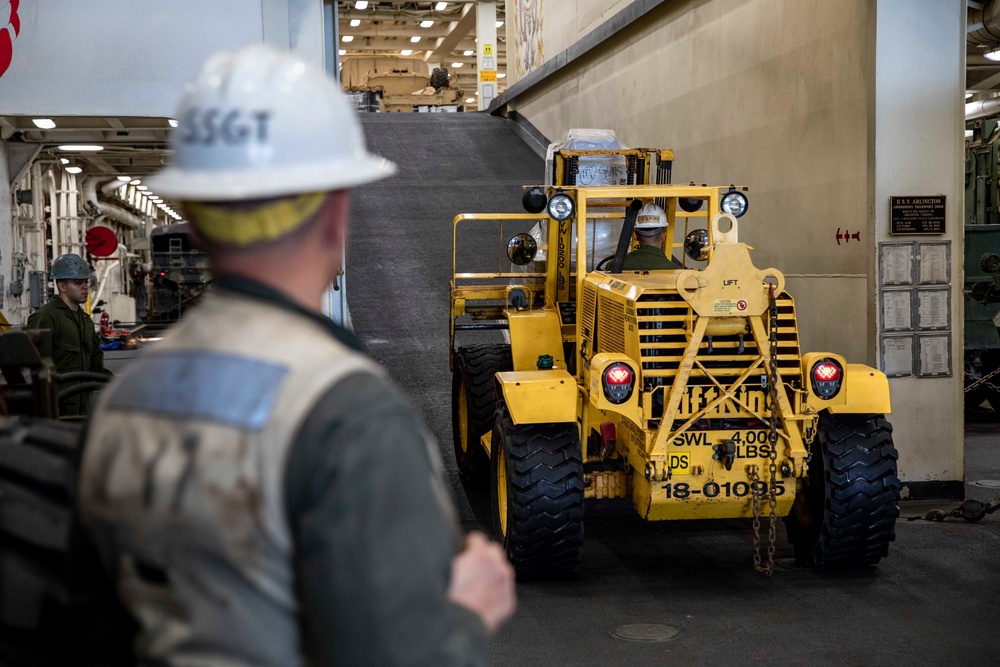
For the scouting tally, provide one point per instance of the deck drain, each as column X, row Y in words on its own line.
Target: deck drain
column 988, row 483
column 645, row 632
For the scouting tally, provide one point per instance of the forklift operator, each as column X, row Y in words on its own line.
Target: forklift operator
column 261, row 491
column 650, row 230
column 75, row 344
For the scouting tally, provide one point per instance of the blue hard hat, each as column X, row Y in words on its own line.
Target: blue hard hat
column 69, row 266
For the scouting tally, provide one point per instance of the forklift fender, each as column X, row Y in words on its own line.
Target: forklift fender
column 867, row 391
column 539, row 397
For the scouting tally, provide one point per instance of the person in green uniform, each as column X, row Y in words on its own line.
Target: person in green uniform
column 75, row 345
column 262, row 492
column 650, row 230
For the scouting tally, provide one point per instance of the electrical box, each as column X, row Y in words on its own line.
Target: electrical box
column 38, row 287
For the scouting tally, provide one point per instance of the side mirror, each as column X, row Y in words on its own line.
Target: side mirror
column 696, row 244
column 521, row 248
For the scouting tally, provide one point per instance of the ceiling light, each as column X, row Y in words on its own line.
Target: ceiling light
column 125, row 178
column 172, row 122
column 457, row 65
column 134, row 182
column 414, row 39
column 355, row 23
column 992, row 55
column 44, row 123
column 142, row 188
column 406, row 52
column 64, row 160
column 470, row 100
column 80, row 147
column 342, row 52
column 426, row 24
column 501, row 75
column 968, row 95
column 499, row 23
column 361, row 4
column 467, row 53
column 968, row 133
column 347, row 38
column 73, row 170
column 441, row 6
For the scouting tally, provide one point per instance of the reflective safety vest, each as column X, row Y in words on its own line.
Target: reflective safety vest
column 183, row 479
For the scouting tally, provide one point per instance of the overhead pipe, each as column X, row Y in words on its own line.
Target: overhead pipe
column 982, row 108
column 984, row 25
column 112, row 186
column 122, row 216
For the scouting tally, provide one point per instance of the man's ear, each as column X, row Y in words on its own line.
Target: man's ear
column 334, row 217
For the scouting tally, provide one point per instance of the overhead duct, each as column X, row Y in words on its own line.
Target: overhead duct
column 982, row 108
column 121, row 215
column 984, row 25
column 112, row 186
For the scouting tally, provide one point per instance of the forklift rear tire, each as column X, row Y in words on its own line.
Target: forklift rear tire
column 845, row 516
column 537, row 496
column 474, row 404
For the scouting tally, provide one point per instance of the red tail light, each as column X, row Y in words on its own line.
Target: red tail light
column 826, row 378
column 619, row 380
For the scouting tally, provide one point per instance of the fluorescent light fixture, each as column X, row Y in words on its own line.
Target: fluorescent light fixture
column 406, row 52
column 44, row 123
column 501, row 75
column 470, row 100
column 134, row 181
column 415, row 39
column 467, row 53
column 142, row 188
column 457, row 65
column 347, row 38
column 172, row 122
column 355, row 23
column 441, row 6
column 64, row 160
column 361, row 4
column 499, row 24
column 968, row 133
column 125, row 178
column 426, row 24
column 968, row 95
column 992, row 55
column 80, row 147
column 342, row 52
column 73, row 170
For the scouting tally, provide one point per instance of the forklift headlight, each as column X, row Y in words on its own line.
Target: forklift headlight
column 560, row 207
column 734, row 203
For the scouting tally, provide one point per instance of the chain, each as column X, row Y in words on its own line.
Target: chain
column 772, row 437
column 982, row 380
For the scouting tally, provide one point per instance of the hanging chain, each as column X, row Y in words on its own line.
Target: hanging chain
column 983, row 380
column 772, row 438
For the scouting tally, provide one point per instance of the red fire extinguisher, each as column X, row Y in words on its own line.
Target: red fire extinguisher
column 105, row 323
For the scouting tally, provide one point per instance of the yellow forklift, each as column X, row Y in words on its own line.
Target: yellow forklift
column 684, row 390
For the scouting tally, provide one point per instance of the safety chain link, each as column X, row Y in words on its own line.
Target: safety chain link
column 984, row 380
column 772, row 438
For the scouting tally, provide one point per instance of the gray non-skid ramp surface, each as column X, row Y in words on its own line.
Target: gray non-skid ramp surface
column 932, row 602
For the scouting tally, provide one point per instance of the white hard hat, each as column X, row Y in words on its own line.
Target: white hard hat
column 260, row 123
column 651, row 218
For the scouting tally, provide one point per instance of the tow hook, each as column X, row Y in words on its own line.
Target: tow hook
column 725, row 451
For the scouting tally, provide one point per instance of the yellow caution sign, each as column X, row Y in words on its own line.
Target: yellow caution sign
column 487, row 50
column 487, row 75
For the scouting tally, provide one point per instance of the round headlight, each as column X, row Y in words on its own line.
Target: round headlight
column 734, row 203
column 533, row 200
column 560, row 207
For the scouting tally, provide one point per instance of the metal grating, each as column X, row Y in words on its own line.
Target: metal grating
column 611, row 326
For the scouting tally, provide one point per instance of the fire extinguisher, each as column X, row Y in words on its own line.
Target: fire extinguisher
column 105, row 322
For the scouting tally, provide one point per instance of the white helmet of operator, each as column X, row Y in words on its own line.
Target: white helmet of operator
column 651, row 220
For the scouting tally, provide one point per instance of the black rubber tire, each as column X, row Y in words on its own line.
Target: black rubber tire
column 846, row 514
column 475, row 367
column 52, row 583
column 439, row 78
column 542, row 466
